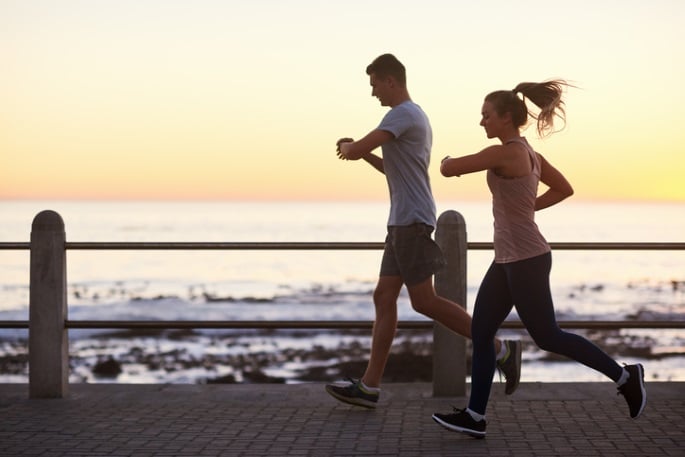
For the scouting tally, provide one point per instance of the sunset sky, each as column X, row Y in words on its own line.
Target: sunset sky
column 170, row 99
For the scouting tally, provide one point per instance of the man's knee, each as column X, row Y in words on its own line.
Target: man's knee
column 422, row 297
column 386, row 293
column 423, row 306
column 383, row 301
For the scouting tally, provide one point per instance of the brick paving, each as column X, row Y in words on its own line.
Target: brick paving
column 179, row 420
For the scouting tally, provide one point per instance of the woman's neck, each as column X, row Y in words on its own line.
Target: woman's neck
column 505, row 137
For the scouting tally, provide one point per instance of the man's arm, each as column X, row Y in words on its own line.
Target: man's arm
column 348, row 149
column 375, row 161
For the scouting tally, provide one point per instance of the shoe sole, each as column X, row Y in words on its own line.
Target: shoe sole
column 351, row 401
column 517, row 361
column 641, row 372
column 455, row 428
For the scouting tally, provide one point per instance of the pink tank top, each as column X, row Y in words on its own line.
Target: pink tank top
column 517, row 236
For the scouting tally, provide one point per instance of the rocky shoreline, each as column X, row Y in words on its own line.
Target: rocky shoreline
column 193, row 357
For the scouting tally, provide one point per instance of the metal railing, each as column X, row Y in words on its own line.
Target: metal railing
column 48, row 322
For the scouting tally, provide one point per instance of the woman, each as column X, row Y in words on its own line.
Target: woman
column 519, row 274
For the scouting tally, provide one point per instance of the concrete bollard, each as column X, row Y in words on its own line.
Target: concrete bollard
column 48, row 337
column 449, row 349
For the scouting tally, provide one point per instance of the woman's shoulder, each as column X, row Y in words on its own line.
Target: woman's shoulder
column 517, row 147
column 519, row 143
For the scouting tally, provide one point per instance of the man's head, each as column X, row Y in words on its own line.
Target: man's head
column 388, row 80
column 388, row 65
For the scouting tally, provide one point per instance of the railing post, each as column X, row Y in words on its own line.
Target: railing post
column 449, row 349
column 48, row 338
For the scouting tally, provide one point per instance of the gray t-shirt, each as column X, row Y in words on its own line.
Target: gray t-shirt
column 405, row 162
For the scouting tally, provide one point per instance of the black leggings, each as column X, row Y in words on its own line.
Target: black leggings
column 524, row 284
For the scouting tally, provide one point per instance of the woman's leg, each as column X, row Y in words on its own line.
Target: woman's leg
column 493, row 304
column 529, row 284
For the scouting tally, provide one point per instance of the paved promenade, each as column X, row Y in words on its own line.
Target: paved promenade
column 574, row 419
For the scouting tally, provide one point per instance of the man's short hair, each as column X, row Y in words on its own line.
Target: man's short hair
column 388, row 65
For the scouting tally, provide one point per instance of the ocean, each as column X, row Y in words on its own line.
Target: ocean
column 320, row 285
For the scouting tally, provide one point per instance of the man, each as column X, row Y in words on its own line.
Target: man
column 410, row 257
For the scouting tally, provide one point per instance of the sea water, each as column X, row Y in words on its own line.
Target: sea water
column 328, row 285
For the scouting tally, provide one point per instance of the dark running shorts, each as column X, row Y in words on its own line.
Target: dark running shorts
column 411, row 253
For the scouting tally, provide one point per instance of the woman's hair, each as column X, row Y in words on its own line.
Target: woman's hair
column 388, row 65
column 545, row 95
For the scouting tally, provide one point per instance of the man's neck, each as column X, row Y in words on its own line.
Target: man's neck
column 401, row 98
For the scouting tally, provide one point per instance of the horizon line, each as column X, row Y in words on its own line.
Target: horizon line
column 307, row 200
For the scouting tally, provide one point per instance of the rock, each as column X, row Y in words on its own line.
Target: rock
column 110, row 368
column 228, row 379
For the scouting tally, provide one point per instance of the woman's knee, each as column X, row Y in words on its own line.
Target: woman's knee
column 482, row 340
column 547, row 340
column 482, row 334
column 483, row 327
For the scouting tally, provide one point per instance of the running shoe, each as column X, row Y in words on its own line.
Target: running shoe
column 353, row 392
column 461, row 421
column 634, row 390
column 510, row 367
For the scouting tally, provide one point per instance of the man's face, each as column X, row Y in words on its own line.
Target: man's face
column 380, row 88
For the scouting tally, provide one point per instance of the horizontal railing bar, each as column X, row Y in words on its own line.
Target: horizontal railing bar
column 14, row 324
column 329, row 246
column 369, row 324
column 104, row 324
column 347, row 245
column 8, row 245
column 247, row 246
column 598, row 246
column 342, row 245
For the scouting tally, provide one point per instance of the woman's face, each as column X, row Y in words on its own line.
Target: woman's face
column 491, row 121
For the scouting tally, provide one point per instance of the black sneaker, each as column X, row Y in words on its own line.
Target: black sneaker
column 461, row 421
column 510, row 367
column 634, row 390
column 353, row 393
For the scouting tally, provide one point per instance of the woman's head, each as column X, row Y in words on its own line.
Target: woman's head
column 545, row 95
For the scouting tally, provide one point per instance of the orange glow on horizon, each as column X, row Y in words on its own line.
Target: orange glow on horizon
column 229, row 101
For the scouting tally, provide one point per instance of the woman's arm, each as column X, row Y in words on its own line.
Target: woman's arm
column 489, row 157
column 559, row 187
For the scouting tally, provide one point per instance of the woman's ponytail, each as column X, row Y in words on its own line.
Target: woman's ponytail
column 546, row 96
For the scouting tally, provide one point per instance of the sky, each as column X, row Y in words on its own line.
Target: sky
column 240, row 100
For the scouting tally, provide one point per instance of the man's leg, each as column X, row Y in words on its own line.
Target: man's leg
column 424, row 300
column 384, row 327
column 365, row 392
